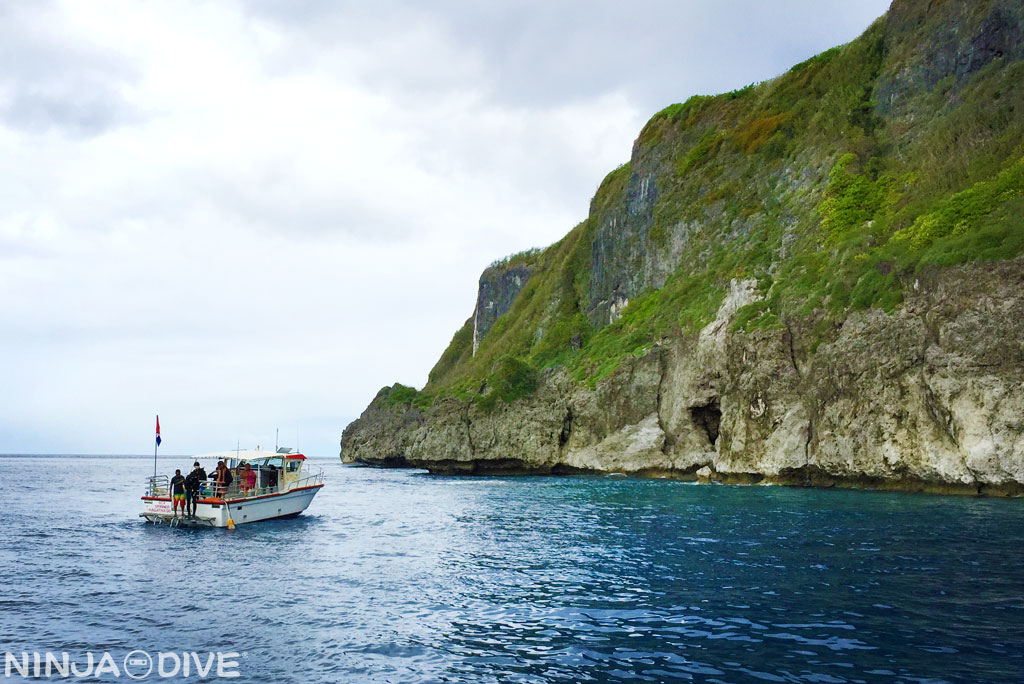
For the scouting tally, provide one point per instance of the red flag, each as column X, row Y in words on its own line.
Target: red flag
column 158, row 431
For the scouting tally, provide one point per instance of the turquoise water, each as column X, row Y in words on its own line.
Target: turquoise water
column 400, row 576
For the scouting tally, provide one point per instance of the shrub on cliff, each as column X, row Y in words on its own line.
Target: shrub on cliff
column 399, row 394
column 512, row 378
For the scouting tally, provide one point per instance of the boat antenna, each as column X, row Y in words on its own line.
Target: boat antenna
column 276, row 447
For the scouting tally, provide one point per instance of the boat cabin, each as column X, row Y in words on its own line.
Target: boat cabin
column 273, row 471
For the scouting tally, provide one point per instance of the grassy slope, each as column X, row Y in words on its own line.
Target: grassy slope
column 797, row 183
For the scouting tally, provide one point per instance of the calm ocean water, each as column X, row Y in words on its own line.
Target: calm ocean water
column 399, row 576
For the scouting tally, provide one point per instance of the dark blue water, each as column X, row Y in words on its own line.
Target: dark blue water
column 398, row 576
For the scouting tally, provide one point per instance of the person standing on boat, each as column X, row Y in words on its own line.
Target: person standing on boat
column 248, row 478
column 178, row 493
column 224, row 479
column 193, row 483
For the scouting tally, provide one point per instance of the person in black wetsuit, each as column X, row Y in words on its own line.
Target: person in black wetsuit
column 193, row 483
column 178, row 493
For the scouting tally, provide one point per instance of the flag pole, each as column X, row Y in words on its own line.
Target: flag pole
column 156, row 443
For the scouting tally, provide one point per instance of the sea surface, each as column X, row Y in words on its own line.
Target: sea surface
column 401, row 576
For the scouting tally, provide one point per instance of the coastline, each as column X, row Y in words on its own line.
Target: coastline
column 923, row 400
column 812, row 478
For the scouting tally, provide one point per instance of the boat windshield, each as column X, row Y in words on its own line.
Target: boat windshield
column 275, row 461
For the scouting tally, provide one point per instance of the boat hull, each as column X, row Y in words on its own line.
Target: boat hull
column 215, row 512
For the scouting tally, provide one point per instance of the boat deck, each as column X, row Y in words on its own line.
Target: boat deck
column 177, row 520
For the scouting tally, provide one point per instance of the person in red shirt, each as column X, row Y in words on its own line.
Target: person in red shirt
column 248, row 479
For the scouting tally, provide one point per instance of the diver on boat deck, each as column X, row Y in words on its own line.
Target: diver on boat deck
column 193, row 483
column 178, row 492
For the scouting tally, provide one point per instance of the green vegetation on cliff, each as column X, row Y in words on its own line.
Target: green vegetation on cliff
column 832, row 186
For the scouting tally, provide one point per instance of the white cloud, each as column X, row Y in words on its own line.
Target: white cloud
column 246, row 217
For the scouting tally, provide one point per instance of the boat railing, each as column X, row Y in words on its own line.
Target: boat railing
column 309, row 479
column 157, row 485
column 235, row 490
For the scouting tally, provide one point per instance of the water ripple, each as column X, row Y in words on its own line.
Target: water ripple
column 398, row 576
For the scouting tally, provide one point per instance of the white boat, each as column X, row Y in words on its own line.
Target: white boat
column 285, row 486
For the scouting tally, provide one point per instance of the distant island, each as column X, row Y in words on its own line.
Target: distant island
column 814, row 280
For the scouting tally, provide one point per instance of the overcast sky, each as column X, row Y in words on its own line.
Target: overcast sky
column 249, row 216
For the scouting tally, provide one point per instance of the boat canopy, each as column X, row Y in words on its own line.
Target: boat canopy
column 247, row 455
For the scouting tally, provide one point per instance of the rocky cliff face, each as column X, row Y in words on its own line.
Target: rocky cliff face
column 953, row 44
column 931, row 398
column 499, row 286
column 816, row 281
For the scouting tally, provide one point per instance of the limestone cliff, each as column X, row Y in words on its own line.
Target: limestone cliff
column 814, row 280
column 499, row 286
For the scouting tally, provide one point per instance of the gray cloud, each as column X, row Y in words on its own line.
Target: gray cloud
column 274, row 199
column 540, row 53
column 51, row 78
column 78, row 109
